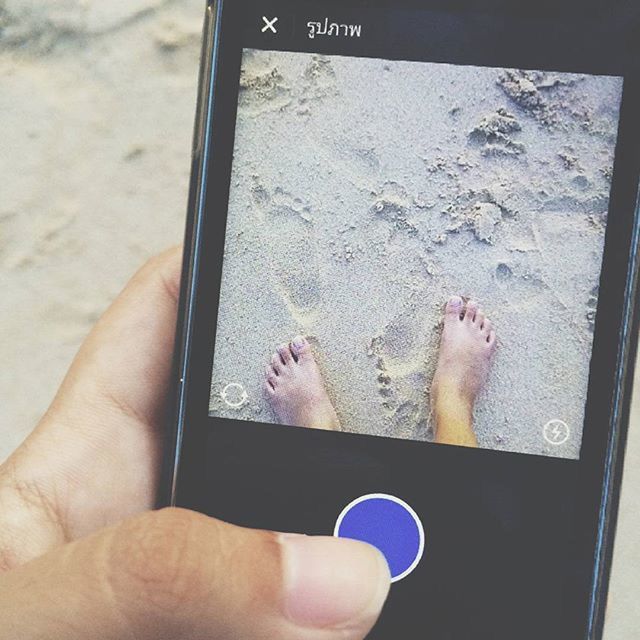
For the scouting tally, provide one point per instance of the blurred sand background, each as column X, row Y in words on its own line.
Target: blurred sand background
column 96, row 112
column 366, row 192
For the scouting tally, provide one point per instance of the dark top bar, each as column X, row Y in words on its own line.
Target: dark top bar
column 592, row 39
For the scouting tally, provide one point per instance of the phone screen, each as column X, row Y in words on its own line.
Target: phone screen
column 435, row 231
column 413, row 284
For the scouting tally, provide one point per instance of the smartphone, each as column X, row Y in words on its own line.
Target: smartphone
column 409, row 291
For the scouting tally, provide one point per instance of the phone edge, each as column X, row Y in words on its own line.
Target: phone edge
column 621, row 414
column 174, row 430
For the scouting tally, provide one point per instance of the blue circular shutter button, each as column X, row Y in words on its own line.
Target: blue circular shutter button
column 388, row 523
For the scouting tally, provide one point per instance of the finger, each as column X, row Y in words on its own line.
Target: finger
column 94, row 458
column 127, row 357
column 177, row 574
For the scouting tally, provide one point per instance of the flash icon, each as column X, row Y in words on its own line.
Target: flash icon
column 556, row 432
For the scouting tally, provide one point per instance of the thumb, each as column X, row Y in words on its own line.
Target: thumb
column 176, row 574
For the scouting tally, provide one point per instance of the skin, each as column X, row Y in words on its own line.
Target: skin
column 82, row 555
column 466, row 351
column 296, row 389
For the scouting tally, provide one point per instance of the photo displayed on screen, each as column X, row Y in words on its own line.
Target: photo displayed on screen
column 413, row 250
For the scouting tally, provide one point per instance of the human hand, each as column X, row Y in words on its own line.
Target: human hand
column 82, row 556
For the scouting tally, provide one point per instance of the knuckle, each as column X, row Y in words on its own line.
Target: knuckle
column 155, row 561
column 165, row 266
column 151, row 267
column 161, row 260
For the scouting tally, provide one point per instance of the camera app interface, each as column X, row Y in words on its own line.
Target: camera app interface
column 414, row 249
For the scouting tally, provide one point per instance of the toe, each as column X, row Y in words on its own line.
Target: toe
column 276, row 364
column 480, row 319
column 300, row 348
column 491, row 338
column 453, row 309
column 471, row 310
column 271, row 380
column 487, row 326
column 285, row 354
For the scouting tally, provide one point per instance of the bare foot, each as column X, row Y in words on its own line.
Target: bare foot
column 295, row 387
column 466, row 349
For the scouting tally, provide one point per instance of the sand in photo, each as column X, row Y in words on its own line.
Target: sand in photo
column 366, row 192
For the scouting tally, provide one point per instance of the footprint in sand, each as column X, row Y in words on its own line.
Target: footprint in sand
column 287, row 233
column 496, row 133
column 318, row 82
column 393, row 206
column 262, row 87
column 320, row 78
column 399, row 353
column 592, row 307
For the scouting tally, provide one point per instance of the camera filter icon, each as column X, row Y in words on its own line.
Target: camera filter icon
column 556, row 432
column 234, row 395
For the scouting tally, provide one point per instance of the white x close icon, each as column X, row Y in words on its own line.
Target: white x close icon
column 269, row 24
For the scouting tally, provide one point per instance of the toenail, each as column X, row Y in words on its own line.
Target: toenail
column 299, row 342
